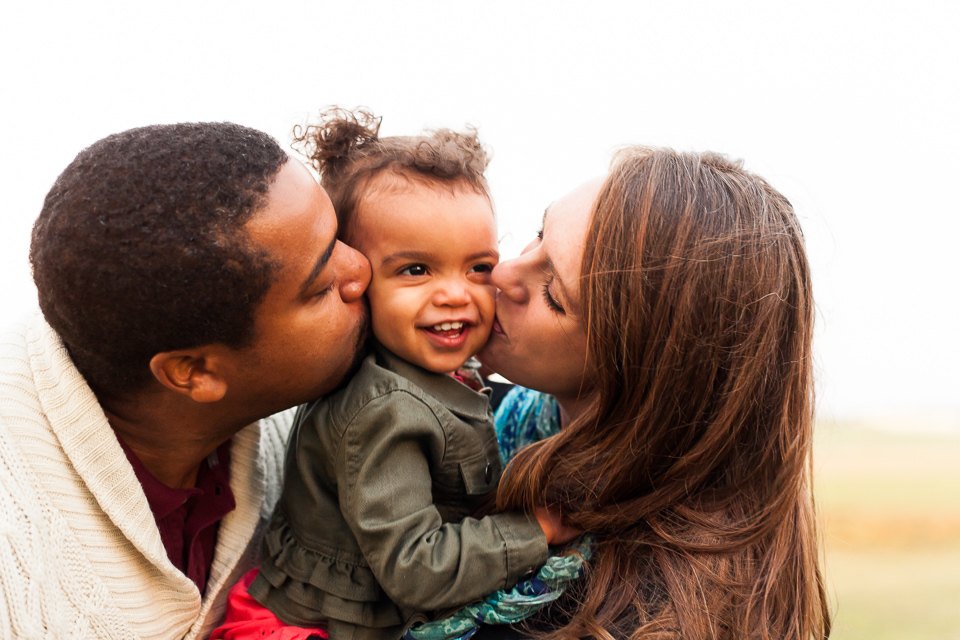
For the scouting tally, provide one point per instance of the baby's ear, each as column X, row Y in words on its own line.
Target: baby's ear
column 192, row 372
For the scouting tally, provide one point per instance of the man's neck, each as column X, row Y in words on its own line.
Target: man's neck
column 170, row 435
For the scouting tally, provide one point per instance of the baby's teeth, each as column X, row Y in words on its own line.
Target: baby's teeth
column 447, row 326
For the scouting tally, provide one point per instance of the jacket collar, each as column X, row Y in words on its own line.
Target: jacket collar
column 457, row 397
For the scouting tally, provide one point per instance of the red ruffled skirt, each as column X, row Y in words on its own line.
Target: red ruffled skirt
column 247, row 619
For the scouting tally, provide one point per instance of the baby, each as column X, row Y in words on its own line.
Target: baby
column 373, row 528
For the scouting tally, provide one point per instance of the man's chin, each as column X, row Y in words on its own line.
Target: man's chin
column 363, row 336
column 362, row 347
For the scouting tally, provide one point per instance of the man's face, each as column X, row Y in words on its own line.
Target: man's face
column 309, row 328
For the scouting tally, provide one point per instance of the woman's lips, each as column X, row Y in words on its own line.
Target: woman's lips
column 497, row 328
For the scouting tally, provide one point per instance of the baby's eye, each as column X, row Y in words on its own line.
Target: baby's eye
column 481, row 268
column 414, row 270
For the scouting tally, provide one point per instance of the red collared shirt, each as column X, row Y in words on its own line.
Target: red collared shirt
column 189, row 519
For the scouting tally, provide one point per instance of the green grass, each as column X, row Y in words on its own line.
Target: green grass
column 890, row 504
column 894, row 595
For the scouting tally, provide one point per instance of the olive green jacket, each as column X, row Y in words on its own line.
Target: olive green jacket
column 372, row 529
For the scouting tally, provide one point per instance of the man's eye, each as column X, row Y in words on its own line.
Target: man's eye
column 414, row 270
column 324, row 291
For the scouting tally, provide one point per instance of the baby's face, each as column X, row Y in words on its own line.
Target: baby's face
column 431, row 250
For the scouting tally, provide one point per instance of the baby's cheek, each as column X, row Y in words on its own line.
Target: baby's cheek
column 383, row 329
column 487, row 305
column 381, row 313
column 391, row 319
column 487, row 301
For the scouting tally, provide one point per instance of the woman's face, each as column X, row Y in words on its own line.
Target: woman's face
column 538, row 337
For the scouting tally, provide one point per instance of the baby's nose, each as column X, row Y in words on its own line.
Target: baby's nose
column 451, row 292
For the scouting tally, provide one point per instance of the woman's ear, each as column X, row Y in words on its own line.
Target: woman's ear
column 190, row 372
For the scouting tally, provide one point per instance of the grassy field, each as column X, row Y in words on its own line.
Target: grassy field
column 891, row 508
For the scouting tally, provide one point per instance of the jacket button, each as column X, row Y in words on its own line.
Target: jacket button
column 488, row 473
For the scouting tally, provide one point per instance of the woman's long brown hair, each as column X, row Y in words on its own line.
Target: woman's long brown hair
column 692, row 463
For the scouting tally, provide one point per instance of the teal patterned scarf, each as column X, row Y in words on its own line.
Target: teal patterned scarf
column 525, row 416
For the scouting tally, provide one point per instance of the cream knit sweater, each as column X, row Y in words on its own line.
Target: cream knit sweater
column 80, row 553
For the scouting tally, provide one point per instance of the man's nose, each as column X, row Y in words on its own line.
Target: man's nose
column 356, row 273
column 508, row 277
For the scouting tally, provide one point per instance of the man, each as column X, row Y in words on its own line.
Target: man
column 191, row 284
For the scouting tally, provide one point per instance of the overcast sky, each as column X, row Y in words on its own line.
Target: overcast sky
column 850, row 109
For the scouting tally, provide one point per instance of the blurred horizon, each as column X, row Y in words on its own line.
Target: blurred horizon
column 846, row 108
column 889, row 507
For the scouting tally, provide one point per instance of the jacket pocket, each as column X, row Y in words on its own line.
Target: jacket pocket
column 480, row 475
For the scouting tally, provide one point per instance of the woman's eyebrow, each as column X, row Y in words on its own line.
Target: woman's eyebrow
column 553, row 272
column 550, row 267
column 564, row 292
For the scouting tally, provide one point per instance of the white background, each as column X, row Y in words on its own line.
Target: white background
column 849, row 108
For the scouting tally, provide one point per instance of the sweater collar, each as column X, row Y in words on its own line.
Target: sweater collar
column 89, row 443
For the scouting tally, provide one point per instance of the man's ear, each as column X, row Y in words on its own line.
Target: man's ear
column 190, row 372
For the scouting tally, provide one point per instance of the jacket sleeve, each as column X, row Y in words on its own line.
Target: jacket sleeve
column 384, row 472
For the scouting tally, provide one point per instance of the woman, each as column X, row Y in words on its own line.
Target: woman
column 668, row 310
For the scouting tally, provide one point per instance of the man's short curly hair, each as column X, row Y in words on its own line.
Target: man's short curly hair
column 140, row 248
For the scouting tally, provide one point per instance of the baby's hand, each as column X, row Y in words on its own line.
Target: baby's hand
column 557, row 533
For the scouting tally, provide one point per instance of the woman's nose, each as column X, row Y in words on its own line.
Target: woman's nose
column 355, row 275
column 507, row 276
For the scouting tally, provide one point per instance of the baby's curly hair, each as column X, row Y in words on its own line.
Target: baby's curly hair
column 140, row 249
column 347, row 151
